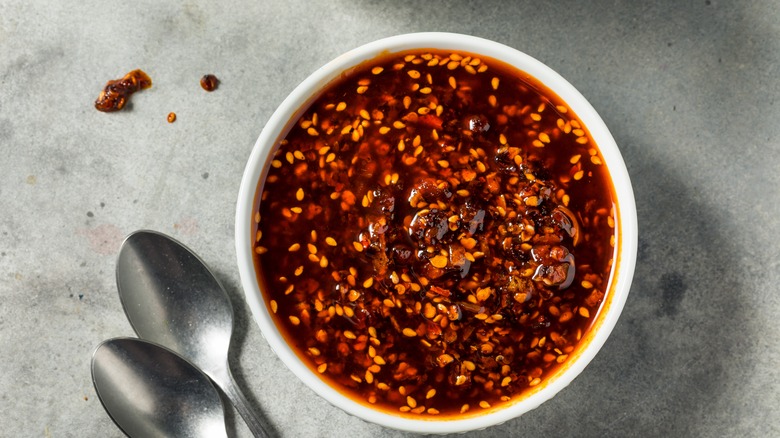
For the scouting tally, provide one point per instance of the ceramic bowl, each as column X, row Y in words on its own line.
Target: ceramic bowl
column 625, row 248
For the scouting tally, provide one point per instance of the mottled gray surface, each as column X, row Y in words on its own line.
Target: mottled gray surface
column 690, row 91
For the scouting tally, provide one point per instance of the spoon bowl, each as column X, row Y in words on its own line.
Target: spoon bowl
column 171, row 298
column 151, row 392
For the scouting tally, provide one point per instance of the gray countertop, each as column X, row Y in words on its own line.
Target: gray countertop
column 690, row 91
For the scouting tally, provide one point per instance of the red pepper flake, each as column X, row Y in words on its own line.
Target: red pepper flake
column 440, row 291
column 430, row 121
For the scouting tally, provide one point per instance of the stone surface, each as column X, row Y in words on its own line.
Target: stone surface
column 690, row 91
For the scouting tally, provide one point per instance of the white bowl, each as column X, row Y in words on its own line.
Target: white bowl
column 625, row 246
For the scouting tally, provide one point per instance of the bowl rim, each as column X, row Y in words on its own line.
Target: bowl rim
column 625, row 248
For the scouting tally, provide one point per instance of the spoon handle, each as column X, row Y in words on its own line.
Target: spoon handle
column 232, row 391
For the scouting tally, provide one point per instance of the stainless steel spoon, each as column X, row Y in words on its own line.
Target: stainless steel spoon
column 150, row 392
column 171, row 297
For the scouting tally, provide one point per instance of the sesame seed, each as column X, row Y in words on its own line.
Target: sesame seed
column 439, row 261
column 444, row 359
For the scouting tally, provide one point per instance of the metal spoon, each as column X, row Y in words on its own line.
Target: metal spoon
column 171, row 297
column 151, row 392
